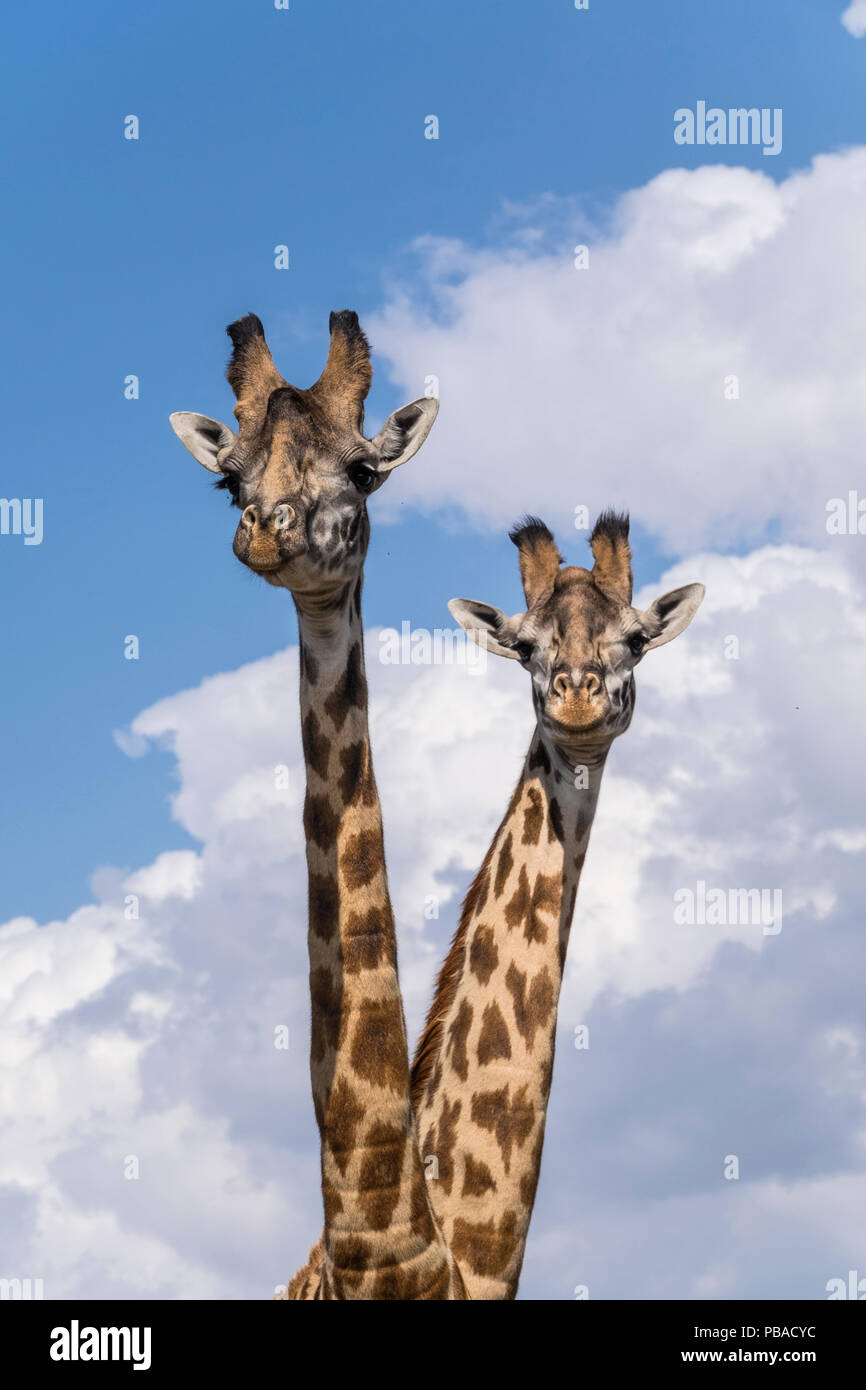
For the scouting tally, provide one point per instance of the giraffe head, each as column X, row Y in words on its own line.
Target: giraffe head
column 299, row 467
column 580, row 638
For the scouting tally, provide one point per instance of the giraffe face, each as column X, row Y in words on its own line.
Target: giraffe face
column 580, row 648
column 299, row 468
column 580, row 639
column 301, row 487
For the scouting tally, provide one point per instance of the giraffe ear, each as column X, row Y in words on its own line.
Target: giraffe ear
column 404, row 432
column 206, row 439
column 490, row 628
column 671, row 614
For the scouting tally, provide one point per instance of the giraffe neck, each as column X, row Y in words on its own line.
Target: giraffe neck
column 482, row 1072
column 381, row 1238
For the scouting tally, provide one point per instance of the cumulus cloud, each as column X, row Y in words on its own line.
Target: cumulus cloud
column 854, row 18
column 564, row 387
column 158, row 1143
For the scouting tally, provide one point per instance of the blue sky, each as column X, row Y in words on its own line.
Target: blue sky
column 261, row 127
column 306, row 127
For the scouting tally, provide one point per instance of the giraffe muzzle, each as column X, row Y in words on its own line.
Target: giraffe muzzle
column 267, row 543
column 577, row 701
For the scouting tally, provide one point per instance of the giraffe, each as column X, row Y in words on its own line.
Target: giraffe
column 482, row 1070
column 300, row 469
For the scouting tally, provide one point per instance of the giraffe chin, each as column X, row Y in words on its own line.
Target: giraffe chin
column 304, row 577
column 583, row 741
column 268, row 560
column 580, row 721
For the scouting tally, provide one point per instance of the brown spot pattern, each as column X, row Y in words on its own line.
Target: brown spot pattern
column 458, row 1034
column 350, row 1256
column 395, row 1285
column 352, row 1252
column 309, row 665
column 533, row 1006
column 533, row 817
column 381, row 1171
column 345, row 1113
column 504, row 866
column 326, row 1002
column 368, row 938
column 320, row 821
column 378, row 1041
column 539, row 757
column 352, row 761
column 332, row 1199
column 350, row 692
column 555, row 826
column 356, row 783
column 481, row 891
column 525, row 906
column 517, row 907
column 486, row 1247
column 362, row 858
column 323, row 906
column 483, row 954
column 477, row 1178
column 508, row 1118
column 446, row 1139
column 529, row 1181
column 317, row 749
column 493, row 1041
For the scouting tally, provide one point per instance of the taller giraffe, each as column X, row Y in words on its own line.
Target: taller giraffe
column 482, row 1071
column 300, row 469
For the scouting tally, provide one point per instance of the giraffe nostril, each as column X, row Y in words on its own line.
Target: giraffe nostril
column 284, row 515
column 592, row 684
column 249, row 516
column 561, row 685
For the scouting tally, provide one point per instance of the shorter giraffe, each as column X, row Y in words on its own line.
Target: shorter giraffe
column 482, row 1071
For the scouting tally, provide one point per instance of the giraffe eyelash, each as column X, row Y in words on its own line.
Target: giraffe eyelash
column 230, row 483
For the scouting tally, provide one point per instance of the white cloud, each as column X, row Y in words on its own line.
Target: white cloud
column 153, row 1038
column 175, row 874
column 854, row 18
column 735, row 1239
column 563, row 387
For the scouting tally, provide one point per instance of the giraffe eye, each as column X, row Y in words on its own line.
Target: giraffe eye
column 636, row 643
column 363, row 477
column 524, row 650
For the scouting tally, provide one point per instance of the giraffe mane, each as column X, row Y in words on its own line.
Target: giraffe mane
column 450, row 974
